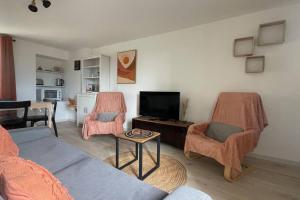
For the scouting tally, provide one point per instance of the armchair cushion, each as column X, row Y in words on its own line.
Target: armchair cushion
column 106, row 116
column 220, row 131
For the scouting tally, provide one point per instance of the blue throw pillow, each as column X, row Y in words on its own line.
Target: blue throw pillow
column 107, row 116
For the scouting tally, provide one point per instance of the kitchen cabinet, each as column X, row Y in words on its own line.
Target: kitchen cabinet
column 85, row 105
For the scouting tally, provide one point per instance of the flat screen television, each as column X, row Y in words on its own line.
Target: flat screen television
column 164, row 105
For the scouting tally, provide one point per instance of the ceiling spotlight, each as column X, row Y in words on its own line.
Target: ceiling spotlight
column 32, row 7
column 46, row 3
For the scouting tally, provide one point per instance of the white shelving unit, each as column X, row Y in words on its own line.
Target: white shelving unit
column 95, row 73
column 45, row 70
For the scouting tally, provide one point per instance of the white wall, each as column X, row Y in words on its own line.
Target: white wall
column 198, row 62
column 25, row 65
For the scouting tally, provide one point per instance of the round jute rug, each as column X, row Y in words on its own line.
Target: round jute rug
column 170, row 175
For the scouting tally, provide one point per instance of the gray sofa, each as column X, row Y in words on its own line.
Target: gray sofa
column 85, row 177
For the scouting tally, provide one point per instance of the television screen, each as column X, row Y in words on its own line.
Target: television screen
column 164, row 105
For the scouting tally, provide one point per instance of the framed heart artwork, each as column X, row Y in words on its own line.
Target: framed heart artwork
column 126, row 67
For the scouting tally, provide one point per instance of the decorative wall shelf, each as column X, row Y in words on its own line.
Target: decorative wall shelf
column 95, row 77
column 49, row 86
column 91, row 67
column 243, row 47
column 49, row 72
column 255, row 64
column 271, row 33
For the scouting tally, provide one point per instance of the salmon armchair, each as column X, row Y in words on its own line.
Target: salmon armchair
column 243, row 110
column 105, row 102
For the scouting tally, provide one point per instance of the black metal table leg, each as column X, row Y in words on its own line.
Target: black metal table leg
column 118, row 155
column 157, row 164
column 158, row 152
column 117, row 152
column 136, row 150
column 140, row 161
column 139, row 156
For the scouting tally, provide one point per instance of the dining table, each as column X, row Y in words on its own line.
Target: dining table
column 38, row 105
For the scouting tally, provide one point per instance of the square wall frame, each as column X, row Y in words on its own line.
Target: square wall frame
column 255, row 64
column 271, row 33
column 243, row 47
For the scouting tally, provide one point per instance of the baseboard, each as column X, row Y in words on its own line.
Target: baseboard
column 273, row 159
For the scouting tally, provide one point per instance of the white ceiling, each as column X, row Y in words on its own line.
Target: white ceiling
column 73, row 24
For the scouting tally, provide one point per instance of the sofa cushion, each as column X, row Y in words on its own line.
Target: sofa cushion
column 23, row 179
column 7, row 145
column 92, row 179
column 220, row 131
column 51, row 152
column 29, row 134
column 106, row 116
column 187, row 193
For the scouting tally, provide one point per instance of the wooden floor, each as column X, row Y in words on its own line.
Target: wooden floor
column 270, row 180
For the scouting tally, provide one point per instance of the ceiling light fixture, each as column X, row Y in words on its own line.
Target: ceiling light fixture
column 33, row 8
column 46, row 3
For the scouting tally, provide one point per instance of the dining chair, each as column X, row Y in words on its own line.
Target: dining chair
column 13, row 114
column 44, row 117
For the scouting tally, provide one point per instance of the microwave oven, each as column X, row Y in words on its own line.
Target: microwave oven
column 48, row 93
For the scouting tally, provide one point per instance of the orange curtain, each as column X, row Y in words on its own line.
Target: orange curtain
column 7, row 69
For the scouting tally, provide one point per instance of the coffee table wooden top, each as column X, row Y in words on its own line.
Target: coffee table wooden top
column 138, row 140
